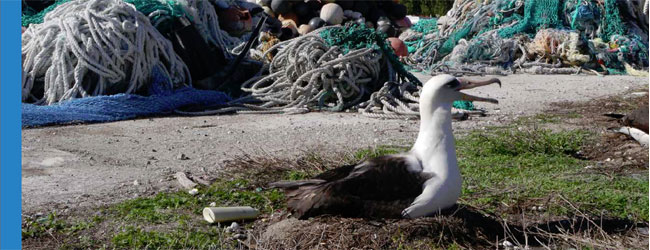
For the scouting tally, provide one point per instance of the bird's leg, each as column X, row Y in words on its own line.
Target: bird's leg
column 425, row 203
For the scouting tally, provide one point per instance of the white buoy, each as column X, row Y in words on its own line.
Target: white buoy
column 332, row 13
column 221, row 214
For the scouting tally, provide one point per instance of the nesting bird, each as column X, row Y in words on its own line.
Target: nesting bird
column 413, row 184
column 635, row 124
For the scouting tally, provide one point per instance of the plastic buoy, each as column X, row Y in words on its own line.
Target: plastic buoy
column 304, row 29
column 398, row 46
column 222, row 214
column 316, row 22
column 332, row 13
column 280, row 6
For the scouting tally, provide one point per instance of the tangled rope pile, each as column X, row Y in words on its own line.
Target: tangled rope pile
column 108, row 47
column 332, row 68
column 306, row 73
column 94, row 47
column 503, row 36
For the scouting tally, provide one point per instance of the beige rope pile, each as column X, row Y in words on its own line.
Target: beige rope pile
column 106, row 45
column 307, row 74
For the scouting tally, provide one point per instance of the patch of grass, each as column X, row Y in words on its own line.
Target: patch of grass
column 375, row 152
column 53, row 224
column 168, row 207
column 295, row 175
column 506, row 169
column 546, row 118
column 136, row 238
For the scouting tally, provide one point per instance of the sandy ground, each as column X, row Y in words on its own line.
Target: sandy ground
column 87, row 165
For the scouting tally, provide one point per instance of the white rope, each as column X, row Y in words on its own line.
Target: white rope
column 104, row 44
column 307, row 73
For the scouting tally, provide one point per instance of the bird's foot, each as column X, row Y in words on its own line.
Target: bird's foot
column 412, row 212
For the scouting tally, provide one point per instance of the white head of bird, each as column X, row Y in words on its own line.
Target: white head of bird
column 435, row 146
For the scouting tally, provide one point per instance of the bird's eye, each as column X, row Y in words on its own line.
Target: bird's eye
column 453, row 84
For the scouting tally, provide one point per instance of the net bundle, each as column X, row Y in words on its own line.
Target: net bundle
column 505, row 36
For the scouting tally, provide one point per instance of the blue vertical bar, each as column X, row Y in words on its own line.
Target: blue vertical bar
column 10, row 128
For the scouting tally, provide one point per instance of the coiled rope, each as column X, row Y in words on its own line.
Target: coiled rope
column 307, row 74
column 94, row 47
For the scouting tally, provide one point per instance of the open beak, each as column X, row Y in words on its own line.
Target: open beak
column 467, row 84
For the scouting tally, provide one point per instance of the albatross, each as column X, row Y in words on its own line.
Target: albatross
column 417, row 183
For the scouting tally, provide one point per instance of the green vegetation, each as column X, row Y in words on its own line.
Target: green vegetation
column 52, row 223
column 183, row 238
column 181, row 206
column 178, row 210
column 431, row 8
column 507, row 169
column 375, row 152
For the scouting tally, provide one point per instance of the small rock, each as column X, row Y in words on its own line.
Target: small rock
column 184, row 181
column 212, row 204
column 182, row 157
column 194, row 191
column 643, row 230
column 136, row 183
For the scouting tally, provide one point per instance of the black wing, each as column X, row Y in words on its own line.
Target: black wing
column 379, row 187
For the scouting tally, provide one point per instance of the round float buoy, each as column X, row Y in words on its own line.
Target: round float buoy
column 304, row 29
column 398, row 46
column 316, row 22
column 332, row 13
column 280, row 6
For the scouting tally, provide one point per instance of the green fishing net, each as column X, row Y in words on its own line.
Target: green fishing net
column 538, row 14
column 358, row 36
column 425, row 26
column 164, row 8
column 29, row 16
column 611, row 21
